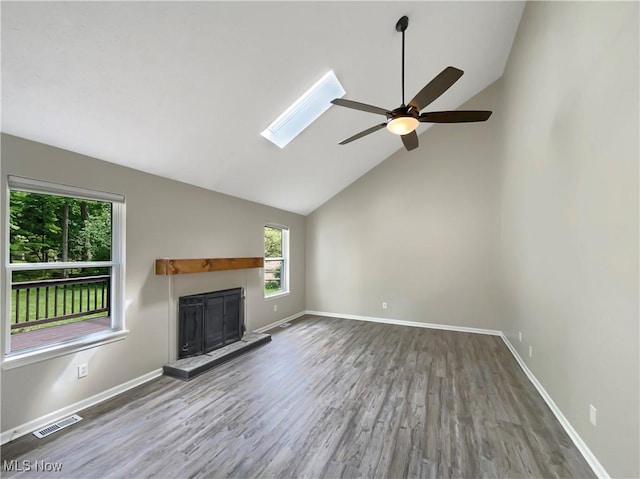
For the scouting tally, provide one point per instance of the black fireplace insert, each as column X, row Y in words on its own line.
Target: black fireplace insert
column 209, row 321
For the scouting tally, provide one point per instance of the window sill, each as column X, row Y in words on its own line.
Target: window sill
column 277, row 295
column 23, row 358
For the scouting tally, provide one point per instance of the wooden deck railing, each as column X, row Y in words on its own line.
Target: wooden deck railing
column 41, row 302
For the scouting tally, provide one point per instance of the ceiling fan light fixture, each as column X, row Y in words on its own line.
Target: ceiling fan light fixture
column 402, row 125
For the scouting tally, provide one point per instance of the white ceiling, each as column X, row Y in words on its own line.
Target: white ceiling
column 183, row 90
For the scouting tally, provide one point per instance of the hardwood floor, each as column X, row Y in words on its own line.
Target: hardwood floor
column 326, row 398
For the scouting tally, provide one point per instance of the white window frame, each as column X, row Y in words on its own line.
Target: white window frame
column 11, row 359
column 284, row 273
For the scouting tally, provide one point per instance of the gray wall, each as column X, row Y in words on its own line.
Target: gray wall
column 570, row 215
column 420, row 232
column 164, row 219
column 526, row 223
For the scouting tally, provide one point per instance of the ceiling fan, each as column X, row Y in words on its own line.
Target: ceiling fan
column 405, row 119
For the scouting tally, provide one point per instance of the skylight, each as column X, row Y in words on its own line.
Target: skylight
column 304, row 111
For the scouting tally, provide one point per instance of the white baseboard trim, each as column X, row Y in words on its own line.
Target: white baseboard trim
column 279, row 322
column 591, row 459
column 54, row 416
column 401, row 322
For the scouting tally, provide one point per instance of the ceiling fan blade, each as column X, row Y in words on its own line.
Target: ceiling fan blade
column 458, row 116
column 436, row 87
column 410, row 140
column 363, row 133
column 356, row 105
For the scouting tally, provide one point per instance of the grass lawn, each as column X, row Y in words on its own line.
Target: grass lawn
column 40, row 304
column 271, row 289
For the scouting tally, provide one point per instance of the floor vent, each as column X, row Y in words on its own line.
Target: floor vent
column 285, row 325
column 55, row 427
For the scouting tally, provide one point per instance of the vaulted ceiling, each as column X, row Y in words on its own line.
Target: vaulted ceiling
column 183, row 89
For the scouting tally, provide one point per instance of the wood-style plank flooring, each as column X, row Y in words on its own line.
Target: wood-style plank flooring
column 326, row 398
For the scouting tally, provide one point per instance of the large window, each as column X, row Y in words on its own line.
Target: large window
column 64, row 277
column 276, row 260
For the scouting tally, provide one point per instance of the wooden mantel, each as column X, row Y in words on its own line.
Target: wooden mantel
column 167, row 266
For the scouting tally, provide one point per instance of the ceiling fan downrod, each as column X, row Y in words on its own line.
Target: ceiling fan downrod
column 401, row 26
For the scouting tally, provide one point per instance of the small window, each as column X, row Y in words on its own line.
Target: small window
column 276, row 260
column 65, row 256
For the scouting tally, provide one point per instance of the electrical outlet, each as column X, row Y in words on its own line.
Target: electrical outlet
column 520, row 335
column 592, row 414
column 83, row 370
column 384, row 305
column 275, row 308
column 530, row 351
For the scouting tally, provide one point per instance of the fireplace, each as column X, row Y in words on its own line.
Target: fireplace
column 209, row 321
